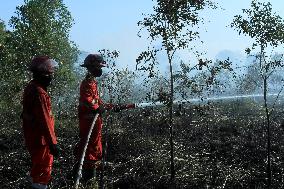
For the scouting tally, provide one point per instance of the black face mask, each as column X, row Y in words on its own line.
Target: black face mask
column 96, row 72
column 44, row 80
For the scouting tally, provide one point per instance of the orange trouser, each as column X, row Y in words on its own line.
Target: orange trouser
column 41, row 164
column 94, row 149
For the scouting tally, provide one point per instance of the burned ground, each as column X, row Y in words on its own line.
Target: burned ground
column 218, row 146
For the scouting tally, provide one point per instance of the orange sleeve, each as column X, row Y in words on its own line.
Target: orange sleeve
column 100, row 101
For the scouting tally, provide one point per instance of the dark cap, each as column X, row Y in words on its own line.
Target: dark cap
column 95, row 60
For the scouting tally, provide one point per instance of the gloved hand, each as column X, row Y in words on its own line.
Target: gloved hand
column 129, row 106
column 100, row 110
column 117, row 108
column 54, row 150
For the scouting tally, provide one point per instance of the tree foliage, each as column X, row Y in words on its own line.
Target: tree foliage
column 40, row 27
column 203, row 78
column 2, row 33
column 173, row 24
column 261, row 24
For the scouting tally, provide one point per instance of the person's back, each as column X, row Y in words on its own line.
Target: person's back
column 35, row 96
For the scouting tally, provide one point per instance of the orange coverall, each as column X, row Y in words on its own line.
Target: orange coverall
column 38, row 127
column 88, row 102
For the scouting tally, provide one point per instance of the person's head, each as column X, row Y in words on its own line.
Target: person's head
column 43, row 69
column 94, row 63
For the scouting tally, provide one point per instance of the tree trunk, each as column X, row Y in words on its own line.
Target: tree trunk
column 269, row 178
column 171, row 122
column 268, row 134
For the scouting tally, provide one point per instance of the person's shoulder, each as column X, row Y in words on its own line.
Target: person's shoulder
column 31, row 90
column 36, row 88
column 30, row 86
column 88, row 82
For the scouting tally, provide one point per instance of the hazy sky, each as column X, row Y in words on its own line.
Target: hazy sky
column 112, row 24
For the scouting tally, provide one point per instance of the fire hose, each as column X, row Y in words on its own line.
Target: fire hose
column 79, row 173
column 108, row 107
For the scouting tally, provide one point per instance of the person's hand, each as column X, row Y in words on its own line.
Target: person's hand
column 116, row 108
column 119, row 107
column 54, row 150
column 100, row 110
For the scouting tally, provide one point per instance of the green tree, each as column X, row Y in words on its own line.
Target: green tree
column 2, row 54
column 204, row 78
column 250, row 82
column 2, row 32
column 172, row 24
column 267, row 30
column 7, row 70
column 118, row 84
column 41, row 27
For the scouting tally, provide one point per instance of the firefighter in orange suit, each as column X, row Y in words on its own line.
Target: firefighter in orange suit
column 38, row 121
column 90, row 104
